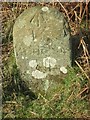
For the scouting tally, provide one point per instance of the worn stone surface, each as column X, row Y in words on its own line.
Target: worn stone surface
column 41, row 46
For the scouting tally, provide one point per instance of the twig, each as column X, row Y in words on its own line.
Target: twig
column 11, row 102
column 64, row 9
column 82, row 91
column 70, row 97
column 86, row 53
column 73, row 8
column 82, row 70
column 33, row 113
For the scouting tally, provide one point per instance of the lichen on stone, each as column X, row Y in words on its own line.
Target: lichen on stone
column 45, row 9
column 28, row 72
column 49, row 62
column 22, row 57
column 59, row 47
column 63, row 70
column 33, row 63
column 38, row 74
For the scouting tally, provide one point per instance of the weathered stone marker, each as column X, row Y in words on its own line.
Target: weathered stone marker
column 42, row 48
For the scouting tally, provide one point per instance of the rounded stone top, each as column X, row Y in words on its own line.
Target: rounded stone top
column 34, row 12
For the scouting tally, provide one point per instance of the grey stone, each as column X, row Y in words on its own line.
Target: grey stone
column 41, row 46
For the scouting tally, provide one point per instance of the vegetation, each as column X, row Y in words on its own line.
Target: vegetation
column 71, row 98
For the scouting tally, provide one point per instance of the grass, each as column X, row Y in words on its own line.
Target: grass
column 71, row 98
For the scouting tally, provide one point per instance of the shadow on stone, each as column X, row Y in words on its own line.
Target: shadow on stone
column 19, row 84
column 26, row 91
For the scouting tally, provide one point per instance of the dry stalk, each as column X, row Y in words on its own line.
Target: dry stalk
column 82, row 70
column 64, row 10
column 74, row 9
column 33, row 113
column 87, row 1
column 81, row 9
column 85, row 51
column 70, row 97
column 85, row 67
column 84, row 89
